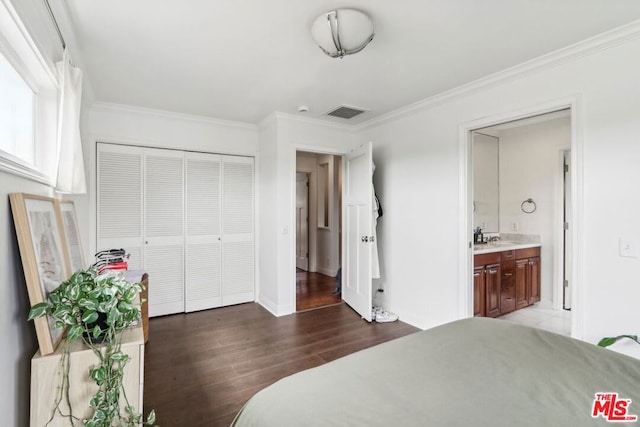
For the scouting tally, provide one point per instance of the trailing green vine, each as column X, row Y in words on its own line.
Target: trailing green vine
column 95, row 306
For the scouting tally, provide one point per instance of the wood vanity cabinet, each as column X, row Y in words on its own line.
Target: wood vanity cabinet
column 479, row 291
column 527, row 276
column 505, row 281
column 486, row 278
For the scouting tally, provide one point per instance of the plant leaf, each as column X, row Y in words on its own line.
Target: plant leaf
column 113, row 316
column 606, row 342
column 37, row 310
column 96, row 331
column 74, row 332
column 151, row 418
column 90, row 317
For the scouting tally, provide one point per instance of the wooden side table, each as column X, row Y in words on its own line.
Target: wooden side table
column 46, row 376
column 142, row 277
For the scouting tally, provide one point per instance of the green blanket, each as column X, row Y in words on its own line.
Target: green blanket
column 472, row 372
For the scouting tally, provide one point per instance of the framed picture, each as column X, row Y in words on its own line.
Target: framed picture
column 39, row 232
column 72, row 242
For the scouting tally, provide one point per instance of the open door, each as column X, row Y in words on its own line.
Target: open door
column 358, row 229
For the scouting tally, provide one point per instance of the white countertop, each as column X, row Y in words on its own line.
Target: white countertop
column 500, row 246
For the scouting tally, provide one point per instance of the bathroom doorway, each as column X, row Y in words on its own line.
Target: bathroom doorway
column 531, row 198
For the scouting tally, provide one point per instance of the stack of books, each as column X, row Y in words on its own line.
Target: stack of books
column 111, row 259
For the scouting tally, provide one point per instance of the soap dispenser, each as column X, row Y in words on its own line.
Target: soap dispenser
column 477, row 236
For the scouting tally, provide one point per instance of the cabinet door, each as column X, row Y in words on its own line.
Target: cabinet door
column 507, row 287
column 492, row 282
column 237, row 230
column 203, row 275
column 119, row 200
column 478, row 292
column 522, row 289
column 164, row 229
column 533, row 279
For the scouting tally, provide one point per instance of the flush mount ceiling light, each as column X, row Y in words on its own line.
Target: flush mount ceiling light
column 342, row 32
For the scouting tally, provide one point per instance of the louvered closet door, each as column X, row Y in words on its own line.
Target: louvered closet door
column 237, row 230
column 203, row 238
column 164, row 230
column 119, row 200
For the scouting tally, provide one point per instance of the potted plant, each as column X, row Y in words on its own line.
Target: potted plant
column 97, row 308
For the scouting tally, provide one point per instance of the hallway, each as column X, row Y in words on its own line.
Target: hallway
column 314, row 290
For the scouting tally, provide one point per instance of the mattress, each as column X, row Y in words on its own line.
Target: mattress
column 472, row 372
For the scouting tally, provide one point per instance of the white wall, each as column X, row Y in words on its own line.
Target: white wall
column 292, row 134
column 420, row 182
column 18, row 336
column 530, row 167
column 267, row 169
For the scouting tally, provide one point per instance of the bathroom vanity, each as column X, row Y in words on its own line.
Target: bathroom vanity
column 506, row 277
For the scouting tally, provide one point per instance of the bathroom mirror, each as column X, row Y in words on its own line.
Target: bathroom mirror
column 486, row 188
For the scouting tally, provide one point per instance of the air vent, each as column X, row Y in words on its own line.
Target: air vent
column 345, row 112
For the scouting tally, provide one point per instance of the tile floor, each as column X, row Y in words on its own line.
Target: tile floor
column 558, row 321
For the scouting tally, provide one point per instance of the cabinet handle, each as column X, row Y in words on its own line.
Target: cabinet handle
column 508, row 274
column 493, row 271
column 476, row 274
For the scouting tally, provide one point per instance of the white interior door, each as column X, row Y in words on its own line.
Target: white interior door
column 302, row 221
column 203, row 275
column 119, row 199
column 164, row 229
column 237, row 230
column 358, row 216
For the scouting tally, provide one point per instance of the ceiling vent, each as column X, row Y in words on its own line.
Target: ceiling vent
column 345, row 112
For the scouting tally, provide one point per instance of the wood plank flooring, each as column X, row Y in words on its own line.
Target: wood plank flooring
column 200, row 368
column 314, row 290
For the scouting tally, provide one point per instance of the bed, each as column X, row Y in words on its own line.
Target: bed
column 472, row 372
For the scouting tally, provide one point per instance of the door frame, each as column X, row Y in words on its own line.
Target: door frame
column 292, row 208
column 307, row 181
column 574, row 104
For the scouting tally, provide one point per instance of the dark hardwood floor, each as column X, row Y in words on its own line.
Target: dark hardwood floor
column 314, row 290
column 200, row 368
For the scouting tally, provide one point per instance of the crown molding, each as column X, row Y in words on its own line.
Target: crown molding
column 564, row 55
column 112, row 107
column 270, row 120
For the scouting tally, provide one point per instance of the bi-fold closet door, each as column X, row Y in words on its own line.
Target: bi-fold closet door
column 186, row 218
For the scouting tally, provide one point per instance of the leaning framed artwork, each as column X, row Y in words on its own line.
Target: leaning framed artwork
column 71, row 232
column 39, row 232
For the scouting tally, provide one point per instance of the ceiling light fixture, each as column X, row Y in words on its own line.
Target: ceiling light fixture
column 342, row 32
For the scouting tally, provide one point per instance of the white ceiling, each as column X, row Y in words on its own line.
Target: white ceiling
column 243, row 59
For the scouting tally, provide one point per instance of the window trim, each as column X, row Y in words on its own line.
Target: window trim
column 19, row 48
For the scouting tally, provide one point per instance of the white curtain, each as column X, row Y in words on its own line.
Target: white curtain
column 71, row 178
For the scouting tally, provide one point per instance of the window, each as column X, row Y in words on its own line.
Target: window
column 28, row 103
column 16, row 114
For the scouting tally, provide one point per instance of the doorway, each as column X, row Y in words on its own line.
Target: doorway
column 534, row 151
column 318, row 229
